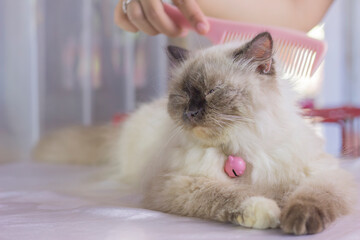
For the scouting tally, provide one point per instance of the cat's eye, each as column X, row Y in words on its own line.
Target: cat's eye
column 211, row 91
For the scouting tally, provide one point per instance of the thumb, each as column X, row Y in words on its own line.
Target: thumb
column 193, row 14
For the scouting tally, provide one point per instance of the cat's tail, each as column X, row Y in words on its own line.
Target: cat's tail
column 77, row 145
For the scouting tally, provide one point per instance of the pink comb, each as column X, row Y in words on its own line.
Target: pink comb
column 299, row 54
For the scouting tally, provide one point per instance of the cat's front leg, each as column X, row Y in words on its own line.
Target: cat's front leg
column 317, row 202
column 210, row 199
column 258, row 212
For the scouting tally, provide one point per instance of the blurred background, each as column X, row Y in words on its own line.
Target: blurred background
column 65, row 62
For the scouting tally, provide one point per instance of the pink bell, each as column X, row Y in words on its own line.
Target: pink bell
column 235, row 166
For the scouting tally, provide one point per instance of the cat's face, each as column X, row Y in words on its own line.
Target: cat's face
column 215, row 89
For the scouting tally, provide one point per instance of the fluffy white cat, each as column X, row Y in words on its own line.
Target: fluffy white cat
column 225, row 100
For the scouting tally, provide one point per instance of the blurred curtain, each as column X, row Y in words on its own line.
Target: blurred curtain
column 64, row 63
column 19, row 78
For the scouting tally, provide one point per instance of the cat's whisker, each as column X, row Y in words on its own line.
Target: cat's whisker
column 242, row 119
column 236, row 118
column 222, row 123
column 230, row 117
column 216, row 122
column 174, row 132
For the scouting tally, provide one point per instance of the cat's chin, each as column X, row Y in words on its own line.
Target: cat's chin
column 206, row 135
column 202, row 132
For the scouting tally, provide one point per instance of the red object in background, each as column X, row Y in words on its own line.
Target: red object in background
column 119, row 117
column 333, row 114
column 346, row 117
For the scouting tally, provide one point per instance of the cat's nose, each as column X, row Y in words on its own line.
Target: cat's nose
column 193, row 113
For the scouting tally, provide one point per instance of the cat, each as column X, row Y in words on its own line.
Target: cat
column 225, row 100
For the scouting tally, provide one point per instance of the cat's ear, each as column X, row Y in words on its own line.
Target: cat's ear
column 259, row 50
column 177, row 54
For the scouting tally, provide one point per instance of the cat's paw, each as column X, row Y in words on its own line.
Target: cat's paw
column 259, row 212
column 304, row 217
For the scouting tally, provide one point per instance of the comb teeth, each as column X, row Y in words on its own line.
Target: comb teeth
column 296, row 60
column 238, row 37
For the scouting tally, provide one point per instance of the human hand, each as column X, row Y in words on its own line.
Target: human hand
column 149, row 16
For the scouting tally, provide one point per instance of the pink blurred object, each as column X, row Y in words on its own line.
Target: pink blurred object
column 235, row 166
column 307, row 103
column 300, row 55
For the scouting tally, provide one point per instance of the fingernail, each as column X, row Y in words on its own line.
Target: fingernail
column 202, row 27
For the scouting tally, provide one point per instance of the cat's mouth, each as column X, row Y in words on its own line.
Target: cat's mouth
column 196, row 123
column 200, row 129
column 200, row 125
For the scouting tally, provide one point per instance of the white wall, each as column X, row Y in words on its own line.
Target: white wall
column 66, row 63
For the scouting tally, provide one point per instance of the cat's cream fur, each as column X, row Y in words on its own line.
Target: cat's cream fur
column 289, row 181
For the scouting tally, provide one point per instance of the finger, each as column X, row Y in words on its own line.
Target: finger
column 155, row 14
column 121, row 19
column 193, row 14
column 137, row 17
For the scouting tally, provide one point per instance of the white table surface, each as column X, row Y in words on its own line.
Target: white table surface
column 40, row 201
